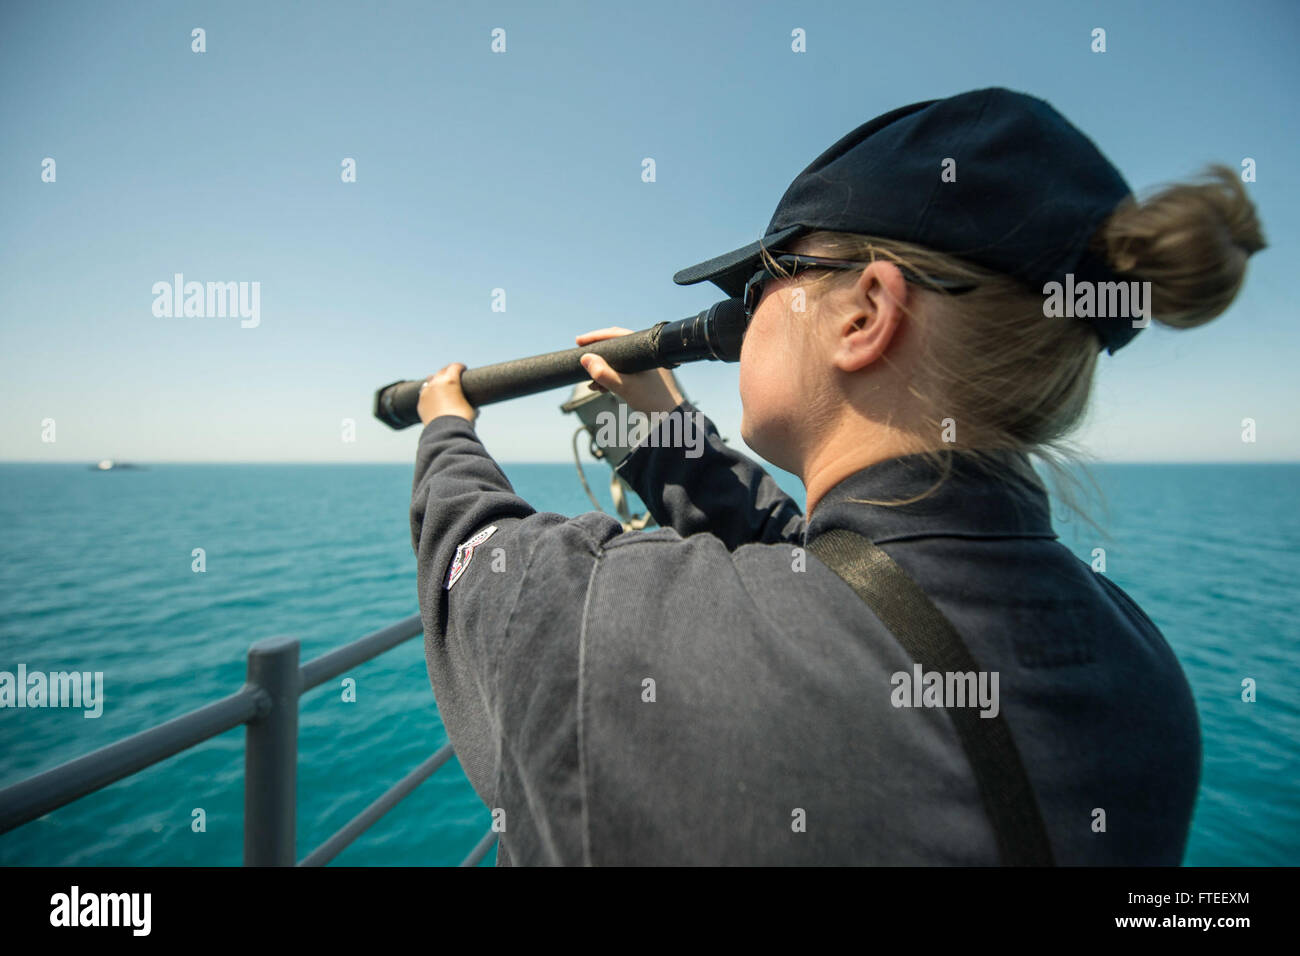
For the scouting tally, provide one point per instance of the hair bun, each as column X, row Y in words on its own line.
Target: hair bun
column 1191, row 241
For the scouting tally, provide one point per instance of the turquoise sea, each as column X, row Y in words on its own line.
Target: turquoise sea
column 95, row 574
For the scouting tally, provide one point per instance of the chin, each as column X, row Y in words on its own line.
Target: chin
column 758, row 442
column 747, row 433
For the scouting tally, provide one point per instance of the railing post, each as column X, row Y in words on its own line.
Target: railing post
column 271, row 756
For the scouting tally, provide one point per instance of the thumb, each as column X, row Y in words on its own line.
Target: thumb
column 600, row 372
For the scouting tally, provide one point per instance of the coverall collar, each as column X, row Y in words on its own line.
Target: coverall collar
column 970, row 502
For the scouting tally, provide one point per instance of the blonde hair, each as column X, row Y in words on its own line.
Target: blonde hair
column 1015, row 382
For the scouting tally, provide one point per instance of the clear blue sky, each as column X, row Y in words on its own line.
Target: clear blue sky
column 523, row 171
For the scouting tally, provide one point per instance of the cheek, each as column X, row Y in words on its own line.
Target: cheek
column 764, row 370
column 752, row 356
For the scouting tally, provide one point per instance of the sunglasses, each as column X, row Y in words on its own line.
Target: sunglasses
column 795, row 264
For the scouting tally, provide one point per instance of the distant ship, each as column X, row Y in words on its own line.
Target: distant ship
column 109, row 464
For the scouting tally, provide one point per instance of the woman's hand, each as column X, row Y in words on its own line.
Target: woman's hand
column 653, row 391
column 441, row 395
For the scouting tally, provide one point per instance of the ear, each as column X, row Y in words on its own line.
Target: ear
column 871, row 315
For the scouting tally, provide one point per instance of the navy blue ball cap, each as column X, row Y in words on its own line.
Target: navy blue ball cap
column 1029, row 193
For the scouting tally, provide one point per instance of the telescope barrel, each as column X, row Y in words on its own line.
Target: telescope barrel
column 715, row 333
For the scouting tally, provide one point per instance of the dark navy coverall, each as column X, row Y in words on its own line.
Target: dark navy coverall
column 771, row 737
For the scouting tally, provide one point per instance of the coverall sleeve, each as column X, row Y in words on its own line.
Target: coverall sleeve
column 475, row 541
column 712, row 489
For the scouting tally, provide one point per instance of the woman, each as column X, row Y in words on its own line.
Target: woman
column 710, row 692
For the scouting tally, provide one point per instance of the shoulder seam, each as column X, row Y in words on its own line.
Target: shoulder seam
column 585, row 825
column 592, row 548
column 595, row 551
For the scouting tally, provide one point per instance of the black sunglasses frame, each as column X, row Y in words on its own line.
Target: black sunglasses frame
column 800, row 263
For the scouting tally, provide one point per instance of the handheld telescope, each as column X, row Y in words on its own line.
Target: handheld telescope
column 715, row 334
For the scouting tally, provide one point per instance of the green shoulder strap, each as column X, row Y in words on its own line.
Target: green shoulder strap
column 931, row 640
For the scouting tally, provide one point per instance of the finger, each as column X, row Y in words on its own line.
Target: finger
column 448, row 374
column 597, row 335
column 600, row 372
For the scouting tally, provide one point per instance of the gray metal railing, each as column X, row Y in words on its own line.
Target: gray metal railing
column 268, row 705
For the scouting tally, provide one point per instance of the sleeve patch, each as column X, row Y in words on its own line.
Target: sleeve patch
column 464, row 553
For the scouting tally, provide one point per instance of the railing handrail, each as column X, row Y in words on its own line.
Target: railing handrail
column 270, row 752
column 362, row 821
column 49, row 790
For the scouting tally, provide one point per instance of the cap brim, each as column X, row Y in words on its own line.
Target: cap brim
column 731, row 271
